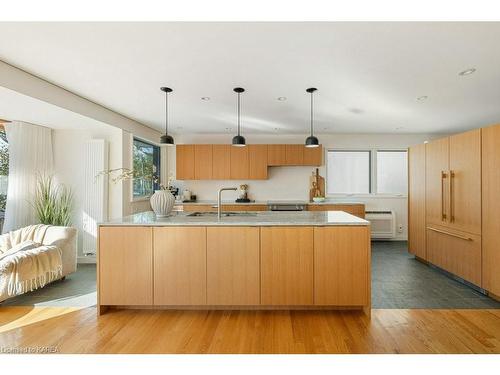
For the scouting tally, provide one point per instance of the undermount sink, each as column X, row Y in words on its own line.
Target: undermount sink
column 223, row 214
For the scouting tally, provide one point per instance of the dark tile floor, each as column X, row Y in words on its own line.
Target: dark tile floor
column 398, row 281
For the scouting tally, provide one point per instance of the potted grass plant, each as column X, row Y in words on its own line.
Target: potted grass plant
column 53, row 202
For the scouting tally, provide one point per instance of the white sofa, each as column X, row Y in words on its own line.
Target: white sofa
column 63, row 238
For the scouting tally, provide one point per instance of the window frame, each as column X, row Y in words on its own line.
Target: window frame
column 373, row 173
column 158, row 169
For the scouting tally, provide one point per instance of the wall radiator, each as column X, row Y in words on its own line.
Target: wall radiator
column 95, row 206
column 383, row 224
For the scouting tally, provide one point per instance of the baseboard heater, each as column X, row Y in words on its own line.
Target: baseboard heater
column 383, row 224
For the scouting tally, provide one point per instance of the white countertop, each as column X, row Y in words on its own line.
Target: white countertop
column 265, row 218
column 214, row 202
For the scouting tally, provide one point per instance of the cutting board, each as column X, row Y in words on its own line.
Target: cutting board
column 320, row 181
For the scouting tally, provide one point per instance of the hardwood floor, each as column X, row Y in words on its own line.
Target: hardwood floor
column 73, row 330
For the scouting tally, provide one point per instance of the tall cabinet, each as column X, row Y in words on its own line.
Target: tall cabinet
column 416, row 201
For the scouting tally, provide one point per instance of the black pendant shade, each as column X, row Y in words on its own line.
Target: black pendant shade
column 239, row 140
column 312, row 141
column 166, row 139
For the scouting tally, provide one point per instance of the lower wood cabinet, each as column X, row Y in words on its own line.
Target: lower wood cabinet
column 225, row 207
column 233, row 266
column 180, row 265
column 286, row 265
column 342, row 266
column 125, row 266
column 456, row 252
column 353, row 209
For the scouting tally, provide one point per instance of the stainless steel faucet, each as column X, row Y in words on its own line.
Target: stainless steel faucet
column 219, row 204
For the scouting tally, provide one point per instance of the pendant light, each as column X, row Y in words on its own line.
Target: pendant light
column 239, row 140
column 166, row 139
column 311, row 141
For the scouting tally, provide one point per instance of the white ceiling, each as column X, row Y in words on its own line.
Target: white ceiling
column 369, row 75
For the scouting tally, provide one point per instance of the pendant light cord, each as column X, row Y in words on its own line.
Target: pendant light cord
column 166, row 112
column 239, row 113
column 311, row 114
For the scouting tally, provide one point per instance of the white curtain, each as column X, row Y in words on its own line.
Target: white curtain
column 30, row 153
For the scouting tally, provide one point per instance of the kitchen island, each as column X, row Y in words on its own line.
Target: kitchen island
column 245, row 260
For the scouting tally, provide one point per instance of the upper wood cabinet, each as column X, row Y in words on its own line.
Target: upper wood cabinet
column 239, row 163
column 491, row 209
column 276, row 155
column 221, row 162
column 203, row 158
column 224, row 162
column 294, row 154
column 257, row 162
column 313, row 156
column 125, row 264
column 416, row 201
column 184, row 160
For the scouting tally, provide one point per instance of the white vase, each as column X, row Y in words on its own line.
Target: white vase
column 162, row 202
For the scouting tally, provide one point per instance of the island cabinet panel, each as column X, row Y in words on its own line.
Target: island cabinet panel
column 416, row 201
column 353, row 209
column 125, row 266
column 276, row 155
column 286, row 260
column 239, row 163
column 294, row 154
column 184, row 161
column 313, row 156
column 180, row 260
column 221, row 162
column 203, row 162
column 233, row 266
column 342, row 266
column 491, row 209
column 257, row 158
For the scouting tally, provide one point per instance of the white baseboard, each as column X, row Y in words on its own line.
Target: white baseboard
column 86, row 260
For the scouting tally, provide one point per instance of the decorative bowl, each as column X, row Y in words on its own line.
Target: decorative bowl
column 318, row 199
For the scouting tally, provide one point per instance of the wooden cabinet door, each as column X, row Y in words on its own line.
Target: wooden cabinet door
column 342, row 266
column 294, row 154
column 353, row 209
column 233, row 266
column 313, row 156
column 184, row 161
column 180, row 264
column 202, row 162
column 276, row 155
column 491, row 209
column 239, row 163
column 437, row 181
column 416, row 201
column 286, row 264
column 221, row 162
column 456, row 252
column 257, row 155
column 465, row 182
column 125, row 266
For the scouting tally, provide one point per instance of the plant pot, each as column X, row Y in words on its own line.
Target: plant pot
column 162, row 202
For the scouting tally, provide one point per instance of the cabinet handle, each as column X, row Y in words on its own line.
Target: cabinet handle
column 452, row 197
column 451, row 234
column 443, row 214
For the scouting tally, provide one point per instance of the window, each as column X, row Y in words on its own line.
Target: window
column 392, row 172
column 4, row 173
column 146, row 164
column 348, row 172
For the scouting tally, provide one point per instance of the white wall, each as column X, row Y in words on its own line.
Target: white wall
column 293, row 182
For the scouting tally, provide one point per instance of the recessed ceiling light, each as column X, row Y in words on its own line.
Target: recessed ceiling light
column 206, row 98
column 467, row 72
column 423, row 97
column 281, row 98
column 400, row 127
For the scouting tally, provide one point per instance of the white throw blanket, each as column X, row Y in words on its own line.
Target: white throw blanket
column 26, row 264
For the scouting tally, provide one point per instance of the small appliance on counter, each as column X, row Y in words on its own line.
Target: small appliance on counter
column 188, row 197
column 243, row 194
